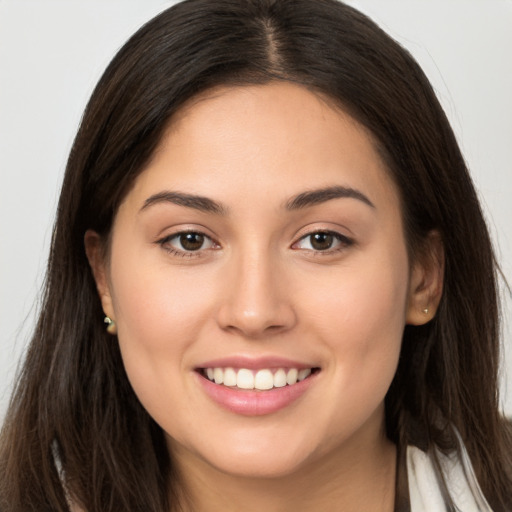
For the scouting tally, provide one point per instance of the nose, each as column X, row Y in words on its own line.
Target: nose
column 257, row 300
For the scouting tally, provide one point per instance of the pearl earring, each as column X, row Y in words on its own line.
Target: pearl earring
column 111, row 325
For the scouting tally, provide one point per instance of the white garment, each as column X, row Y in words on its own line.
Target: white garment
column 425, row 494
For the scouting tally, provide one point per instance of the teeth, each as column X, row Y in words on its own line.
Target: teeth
column 218, row 375
column 245, row 379
column 305, row 372
column 229, row 377
column 262, row 379
column 291, row 376
column 280, row 378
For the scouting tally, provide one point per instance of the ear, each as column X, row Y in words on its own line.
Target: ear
column 426, row 281
column 94, row 249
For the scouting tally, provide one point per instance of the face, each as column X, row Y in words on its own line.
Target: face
column 260, row 283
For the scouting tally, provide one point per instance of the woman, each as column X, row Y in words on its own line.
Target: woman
column 266, row 205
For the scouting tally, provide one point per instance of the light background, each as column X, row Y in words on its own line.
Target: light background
column 53, row 52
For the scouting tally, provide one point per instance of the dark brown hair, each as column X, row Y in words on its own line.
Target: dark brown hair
column 74, row 416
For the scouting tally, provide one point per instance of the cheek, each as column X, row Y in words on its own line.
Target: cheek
column 360, row 323
column 159, row 313
column 367, row 295
column 361, row 320
column 157, row 306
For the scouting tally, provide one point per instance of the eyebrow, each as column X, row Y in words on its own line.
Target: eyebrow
column 317, row 196
column 201, row 203
column 298, row 202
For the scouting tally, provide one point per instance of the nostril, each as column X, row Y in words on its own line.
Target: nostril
column 255, row 309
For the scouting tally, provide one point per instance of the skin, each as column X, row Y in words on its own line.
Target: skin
column 260, row 288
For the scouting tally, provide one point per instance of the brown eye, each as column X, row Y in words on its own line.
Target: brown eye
column 191, row 241
column 321, row 241
column 187, row 242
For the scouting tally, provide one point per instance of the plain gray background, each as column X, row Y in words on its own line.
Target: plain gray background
column 53, row 52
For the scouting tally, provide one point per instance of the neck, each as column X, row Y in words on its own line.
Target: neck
column 355, row 478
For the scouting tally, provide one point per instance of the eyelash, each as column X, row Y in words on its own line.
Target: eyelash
column 344, row 243
column 164, row 243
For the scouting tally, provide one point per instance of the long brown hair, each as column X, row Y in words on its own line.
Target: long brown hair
column 74, row 418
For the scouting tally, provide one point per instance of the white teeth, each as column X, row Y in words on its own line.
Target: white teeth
column 291, row 377
column 262, row 379
column 229, row 377
column 280, row 378
column 305, row 372
column 218, row 375
column 245, row 379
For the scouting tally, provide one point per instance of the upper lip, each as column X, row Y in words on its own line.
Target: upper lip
column 254, row 363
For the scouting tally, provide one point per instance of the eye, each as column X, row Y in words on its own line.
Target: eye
column 323, row 241
column 187, row 242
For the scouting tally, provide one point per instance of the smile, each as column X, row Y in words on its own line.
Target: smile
column 262, row 379
column 256, row 386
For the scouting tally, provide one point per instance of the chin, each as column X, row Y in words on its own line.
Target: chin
column 265, row 466
column 259, row 455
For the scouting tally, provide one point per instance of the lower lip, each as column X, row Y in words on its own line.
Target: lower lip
column 255, row 403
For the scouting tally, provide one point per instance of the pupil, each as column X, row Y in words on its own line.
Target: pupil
column 321, row 241
column 191, row 241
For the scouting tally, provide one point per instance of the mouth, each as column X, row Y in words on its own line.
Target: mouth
column 263, row 379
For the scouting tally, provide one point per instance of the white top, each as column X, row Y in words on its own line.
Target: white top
column 424, row 491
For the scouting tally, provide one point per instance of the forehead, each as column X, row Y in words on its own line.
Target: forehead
column 256, row 104
column 272, row 139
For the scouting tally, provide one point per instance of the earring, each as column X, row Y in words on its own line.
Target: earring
column 111, row 325
column 425, row 311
